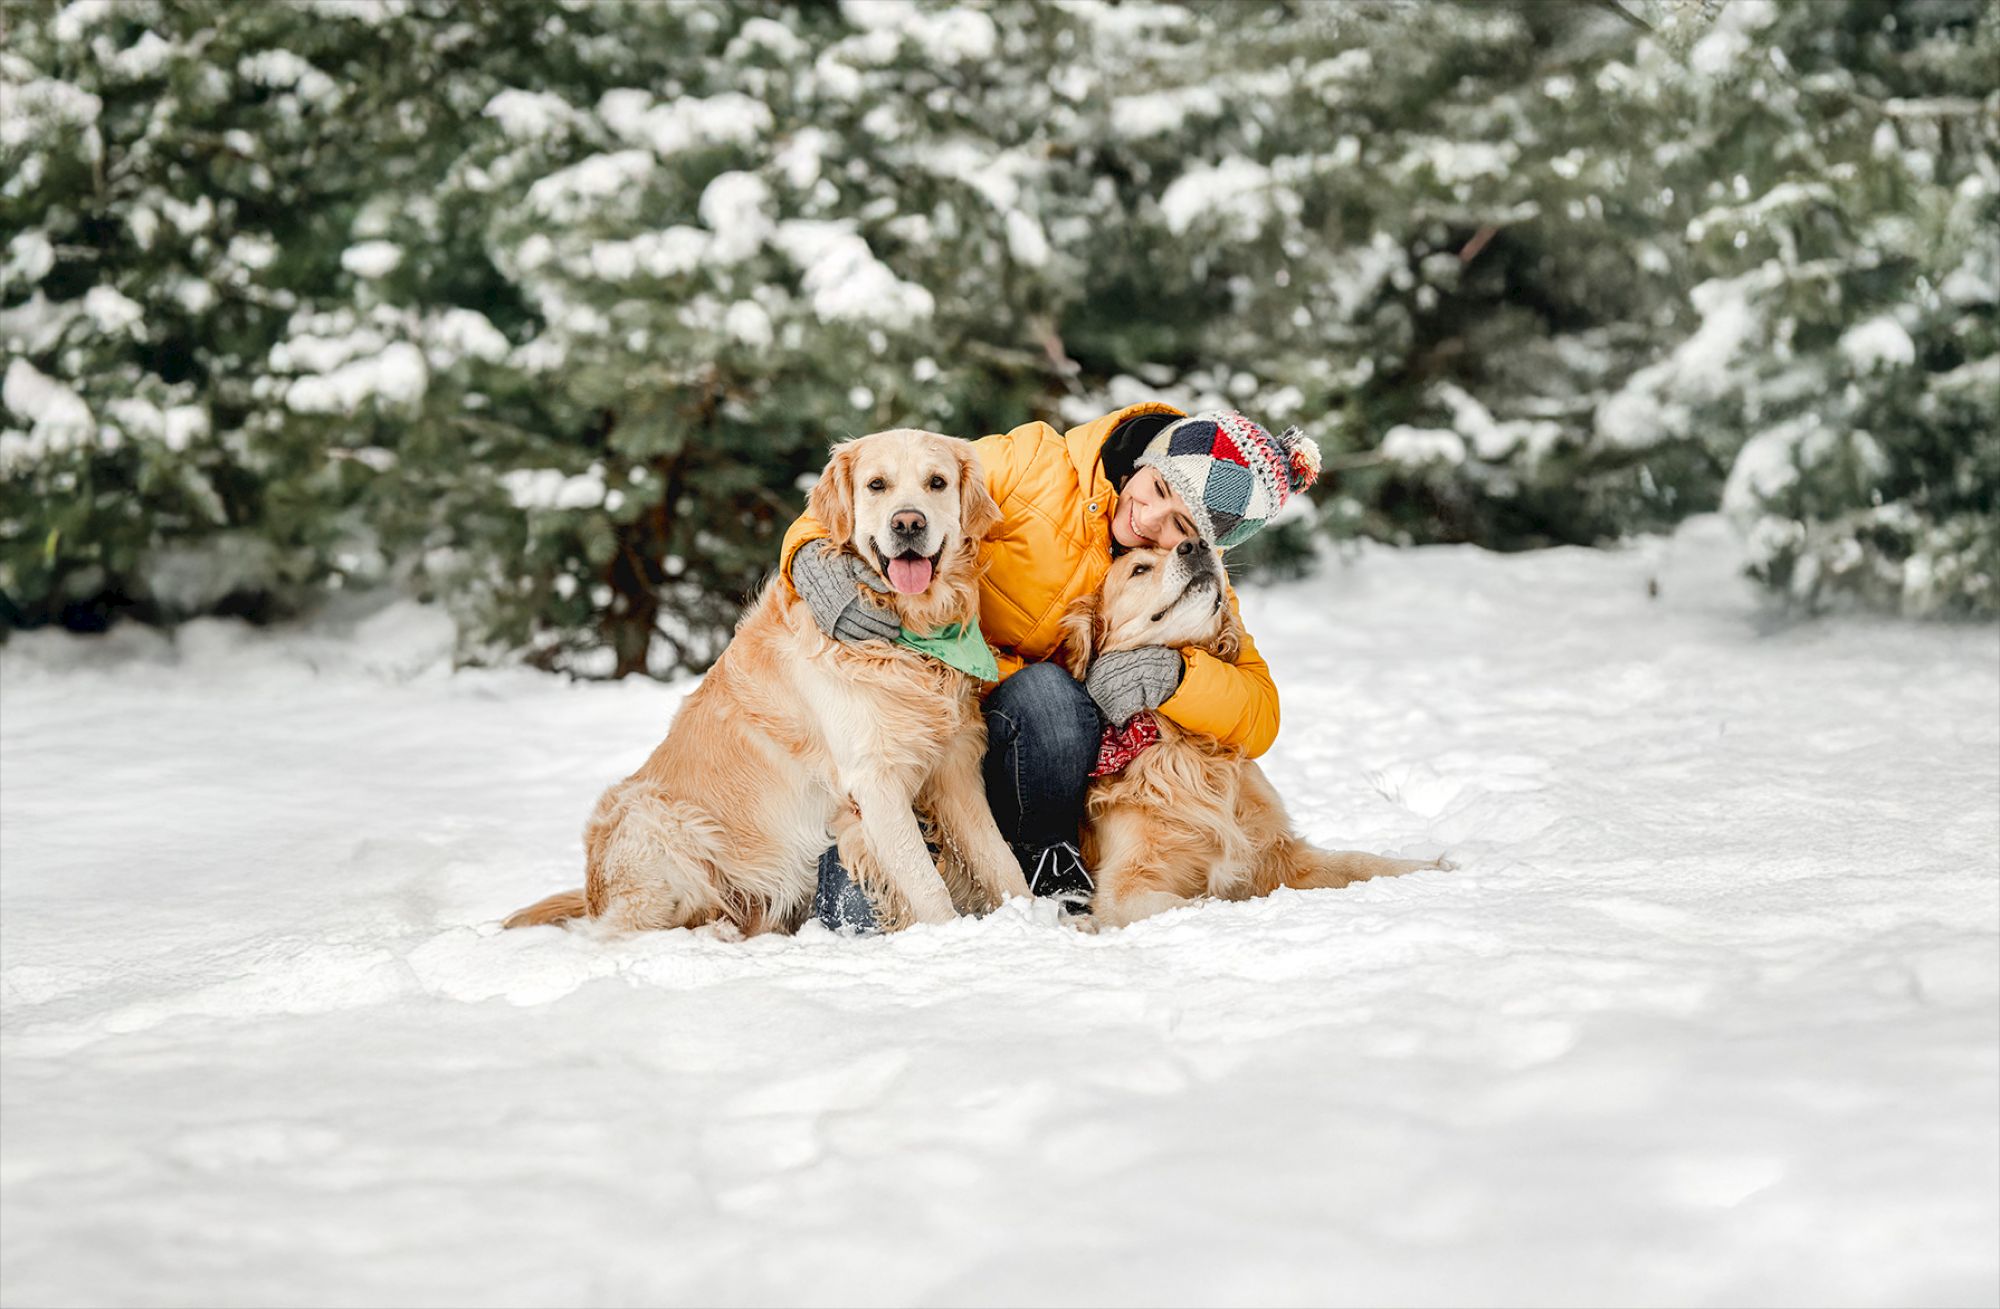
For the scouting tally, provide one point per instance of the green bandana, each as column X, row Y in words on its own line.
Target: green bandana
column 962, row 646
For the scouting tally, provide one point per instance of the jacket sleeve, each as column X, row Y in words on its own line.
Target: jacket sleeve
column 1237, row 703
column 804, row 529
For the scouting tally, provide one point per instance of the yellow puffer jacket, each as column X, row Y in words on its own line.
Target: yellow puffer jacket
column 1053, row 544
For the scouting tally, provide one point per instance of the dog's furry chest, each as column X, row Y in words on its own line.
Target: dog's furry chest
column 887, row 708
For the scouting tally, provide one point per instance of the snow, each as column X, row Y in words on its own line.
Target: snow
column 372, row 259
column 844, row 280
column 34, row 110
column 142, row 58
column 670, row 252
column 998, row 175
column 570, row 194
column 319, row 343
column 189, row 218
column 748, row 322
column 1412, row 446
column 30, row 256
column 253, row 251
column 1137, row 117
column 59, row 415
column 736, row 207
column 956, row 36
column 1706, row 1015
column 371, row 12
column 1653, row 403
column 1765, row 466
column 945, row 36
column 765, row 34
column 176, row 427
column 1237, row 193
column 283, row 68
column 1718, row 52
column 1461, row 161
column 1330, row 77
column 801, row 157
column 111, row 310
column 456, row 334
column 396, row 376
column 1490, row 438
column 1026, row 241
column 1878, row 343
column 530, row 115
column 193, row 294
column 78, row 16
column 144, row 224
column 551, row 488
column 730, row 118
column 188, row 577
column 1783, row 199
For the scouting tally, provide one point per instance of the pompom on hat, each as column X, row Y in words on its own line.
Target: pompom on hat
column 1233, row 474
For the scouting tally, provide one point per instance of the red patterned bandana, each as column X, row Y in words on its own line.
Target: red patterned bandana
column 1121, row 746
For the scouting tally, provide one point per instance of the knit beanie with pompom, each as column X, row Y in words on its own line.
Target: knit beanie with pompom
column 1233, row 474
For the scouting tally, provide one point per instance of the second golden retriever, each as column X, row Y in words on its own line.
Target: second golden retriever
column 792, row 735
column 1187, row 817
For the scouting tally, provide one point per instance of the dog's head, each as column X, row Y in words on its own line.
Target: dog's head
column 1171, row 597
column 912, row 504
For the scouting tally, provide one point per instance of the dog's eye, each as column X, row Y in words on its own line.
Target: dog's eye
column 877, row 484
column 937, row 483
column 1142, row 570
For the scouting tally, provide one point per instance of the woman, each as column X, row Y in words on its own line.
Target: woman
column 1147, row 475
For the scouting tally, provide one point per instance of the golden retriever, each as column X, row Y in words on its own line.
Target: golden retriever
column 1187, row 817
column 794, row 738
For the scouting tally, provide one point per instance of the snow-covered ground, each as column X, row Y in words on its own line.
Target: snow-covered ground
column 1709, row 1014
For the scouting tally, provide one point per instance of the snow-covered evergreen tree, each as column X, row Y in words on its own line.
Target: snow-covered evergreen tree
column 1851, row 229
column 550, row 310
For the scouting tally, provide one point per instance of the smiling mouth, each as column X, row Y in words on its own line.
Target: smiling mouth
column 909, row 572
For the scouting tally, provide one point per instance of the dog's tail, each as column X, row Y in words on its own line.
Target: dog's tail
column 554, row 909
column 1307, row 867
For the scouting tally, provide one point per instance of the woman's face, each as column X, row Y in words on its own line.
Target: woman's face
column 1151, row 514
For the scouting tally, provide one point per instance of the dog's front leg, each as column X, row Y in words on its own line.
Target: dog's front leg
column 1132, row 880
column 896, row 849
column 957, row 799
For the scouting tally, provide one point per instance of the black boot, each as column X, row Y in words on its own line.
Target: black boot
column 1057, row 871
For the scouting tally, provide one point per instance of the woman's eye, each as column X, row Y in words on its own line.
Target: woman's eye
column 937, row 483
column 1142, row 570
column 877, row 484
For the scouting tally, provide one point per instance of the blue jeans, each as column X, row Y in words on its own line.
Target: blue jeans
column 1042, row 732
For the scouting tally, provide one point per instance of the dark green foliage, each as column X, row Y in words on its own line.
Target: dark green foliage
column 550, row 311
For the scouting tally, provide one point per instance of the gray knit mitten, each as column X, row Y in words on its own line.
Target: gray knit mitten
column 1126, row 681
column 825, row 580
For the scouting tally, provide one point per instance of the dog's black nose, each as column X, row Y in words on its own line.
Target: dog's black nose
column 1194, row 545
column 907, row 522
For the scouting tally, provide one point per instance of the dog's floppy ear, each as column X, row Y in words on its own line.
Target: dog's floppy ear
column 832, row 498
column 1079, row 634
column 1228, row 642
column 977, row 512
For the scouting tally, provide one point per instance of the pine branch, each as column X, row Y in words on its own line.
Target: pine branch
column 1612, row 6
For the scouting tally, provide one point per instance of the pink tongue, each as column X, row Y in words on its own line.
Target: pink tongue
column 909, row 575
